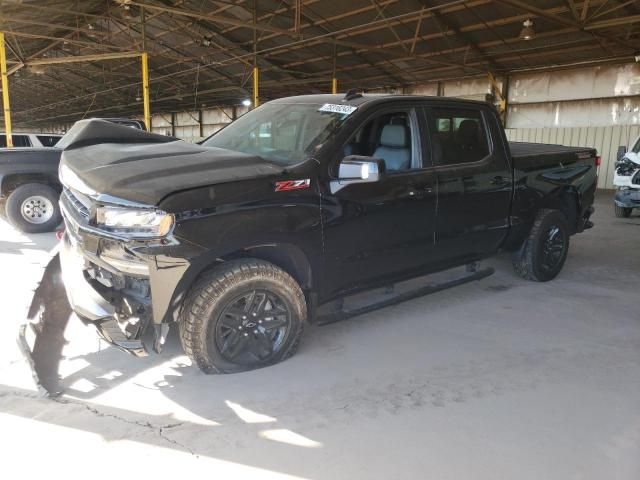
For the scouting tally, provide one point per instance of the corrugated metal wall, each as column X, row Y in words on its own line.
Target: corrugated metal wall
column 605, row 139
column 187, row 124
column 583, row 97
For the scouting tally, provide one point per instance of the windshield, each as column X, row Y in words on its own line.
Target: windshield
column 282, row 132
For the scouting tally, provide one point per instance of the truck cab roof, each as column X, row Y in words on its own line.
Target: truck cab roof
column 367, row 98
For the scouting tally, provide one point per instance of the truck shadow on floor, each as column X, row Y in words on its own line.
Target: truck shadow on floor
column 172, row 375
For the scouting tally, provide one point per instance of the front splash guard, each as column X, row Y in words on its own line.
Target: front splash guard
column 48, row 317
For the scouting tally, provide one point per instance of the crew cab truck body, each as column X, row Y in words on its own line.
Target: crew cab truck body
column 299, row 202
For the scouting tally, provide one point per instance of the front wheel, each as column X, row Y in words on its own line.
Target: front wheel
column 545, row 250
column 33, row 208
column 622, row 212
column 242, row 315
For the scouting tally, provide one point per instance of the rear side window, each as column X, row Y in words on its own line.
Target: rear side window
column 48, row 140
column 18, row 141
column 458, row 136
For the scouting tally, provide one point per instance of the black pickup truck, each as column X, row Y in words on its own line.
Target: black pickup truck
column 299, row 203
column 29, row 186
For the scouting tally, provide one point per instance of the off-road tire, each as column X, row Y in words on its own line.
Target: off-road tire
column 215, row 289
column 527, row 261
column 14, row 203
column 622, row 212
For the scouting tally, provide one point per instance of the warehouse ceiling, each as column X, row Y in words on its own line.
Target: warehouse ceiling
column 201, row 52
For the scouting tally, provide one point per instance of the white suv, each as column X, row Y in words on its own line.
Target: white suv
column 23, row 139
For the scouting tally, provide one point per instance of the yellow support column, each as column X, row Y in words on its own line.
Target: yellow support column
column 334, row 79
column 145, row 90
column 5, row 91
column 256, row 82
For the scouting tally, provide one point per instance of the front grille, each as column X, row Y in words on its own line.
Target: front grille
column 80, row 207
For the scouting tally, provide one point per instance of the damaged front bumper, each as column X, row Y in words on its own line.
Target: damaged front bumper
column 628, row 198
column 118, row 305
column 98, row 280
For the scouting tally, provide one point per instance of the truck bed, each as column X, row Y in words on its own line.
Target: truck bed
column 525, row 151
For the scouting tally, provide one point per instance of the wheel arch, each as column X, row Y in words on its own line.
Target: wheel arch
column 290, row 258
column 11, row 181
column 567, row 201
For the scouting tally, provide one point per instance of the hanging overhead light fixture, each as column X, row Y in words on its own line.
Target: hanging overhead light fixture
column 37, row 69
column 527, row 32
column 92, row 32
column 129, row 13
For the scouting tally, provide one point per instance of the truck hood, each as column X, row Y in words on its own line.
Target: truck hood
column 147, row 172
column 634, row 157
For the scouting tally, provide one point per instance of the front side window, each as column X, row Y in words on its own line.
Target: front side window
column 285, row 133
column 391, row 137
column 458, row 136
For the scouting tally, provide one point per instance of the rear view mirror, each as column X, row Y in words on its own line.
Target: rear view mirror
column 357, row 169
column 622, row 151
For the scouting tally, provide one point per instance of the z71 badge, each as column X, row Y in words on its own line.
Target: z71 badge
column 292, row 184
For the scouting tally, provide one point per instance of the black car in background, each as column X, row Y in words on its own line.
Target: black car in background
column 29, row 185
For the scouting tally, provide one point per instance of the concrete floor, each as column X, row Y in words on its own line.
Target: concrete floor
column 501, row 378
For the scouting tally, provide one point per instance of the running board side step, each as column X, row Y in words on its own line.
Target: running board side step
column 339, row 315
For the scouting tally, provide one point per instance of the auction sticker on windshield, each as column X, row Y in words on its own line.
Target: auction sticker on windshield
column 331, row 107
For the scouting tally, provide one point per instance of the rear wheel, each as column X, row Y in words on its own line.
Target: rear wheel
column 242, row 315
column 622, row 212
column 33, row 208
column 544, row 252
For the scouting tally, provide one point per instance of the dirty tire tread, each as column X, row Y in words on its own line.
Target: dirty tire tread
column 208, row 289
column 524, row 260
column 622, row 212
column 14, row 203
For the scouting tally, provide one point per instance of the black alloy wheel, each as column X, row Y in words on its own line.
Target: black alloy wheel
column 544, row 251
column 241, row 315
column 252, row 328
column 553, row 249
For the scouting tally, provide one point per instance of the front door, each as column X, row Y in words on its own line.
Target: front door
column 377, row 232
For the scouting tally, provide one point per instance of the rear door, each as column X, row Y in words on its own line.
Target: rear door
column 474, row 182
column 375, row 232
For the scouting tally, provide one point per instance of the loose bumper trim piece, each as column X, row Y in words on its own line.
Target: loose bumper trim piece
column 628, row 198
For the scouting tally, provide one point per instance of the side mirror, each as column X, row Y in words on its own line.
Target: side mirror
column 357, row 169
column 622, row 151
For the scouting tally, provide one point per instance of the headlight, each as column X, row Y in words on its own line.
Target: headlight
column 134, row 222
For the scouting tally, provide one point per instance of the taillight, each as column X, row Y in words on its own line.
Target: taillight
column 598, row 160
